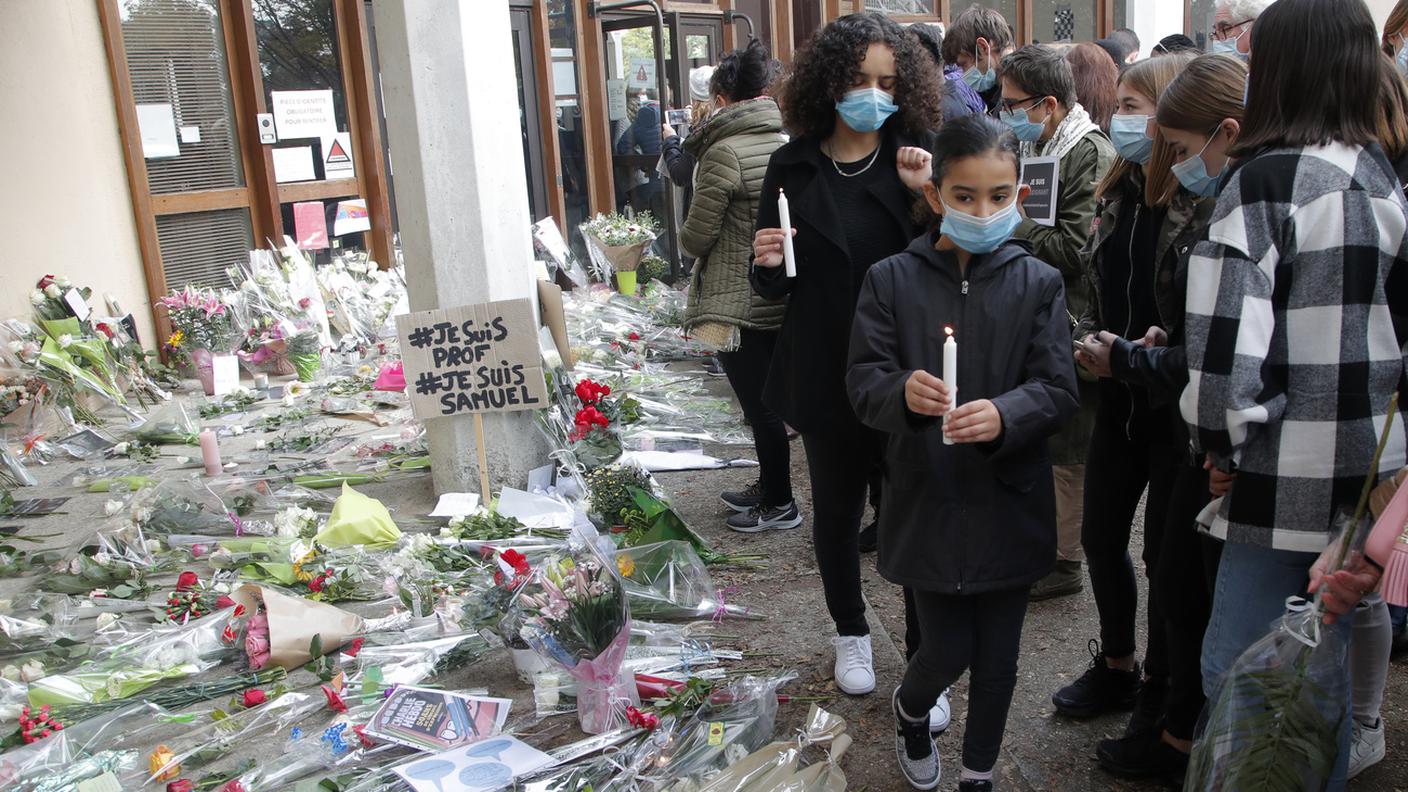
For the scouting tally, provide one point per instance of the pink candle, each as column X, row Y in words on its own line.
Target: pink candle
column 210, row 452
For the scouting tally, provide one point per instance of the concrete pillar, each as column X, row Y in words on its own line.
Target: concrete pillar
column 452, row 121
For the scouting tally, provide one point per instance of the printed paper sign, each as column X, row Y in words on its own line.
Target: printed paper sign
column 310, row 224
column 472, row 359
column 642, row 73
column 1043, row 175
column 226, row 370
column 294, row 164
column 615, row 100
column 352, row 217
column 478, row 767
column 434, row 720
column 76, row 304
column 337, row 156
column 190, row 134
column 157, row 125
column 304, row 114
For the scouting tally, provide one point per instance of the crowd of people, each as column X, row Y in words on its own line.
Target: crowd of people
column 1209, row 319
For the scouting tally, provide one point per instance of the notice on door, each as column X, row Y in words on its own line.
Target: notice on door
column 304, row 114
column 158, row 128
column 642, row 74
column 337, row 156
column 1043, row 175
column 473, row 359
column 615, row 100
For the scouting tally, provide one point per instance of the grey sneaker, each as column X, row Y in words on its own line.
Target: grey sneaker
column 915, row 748
column 766, row 518
column 1064, row 580
column 744, row 499
column 1366, row 749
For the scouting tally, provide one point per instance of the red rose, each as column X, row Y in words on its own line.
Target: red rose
column 223, row 601
column 634, row 336
column 187, row 581
column 254, row 697
column 335, row 702
column 180, row 785
column 233, row 786
column 353, row 648
column 45, row 282
column 107, row 331
column 316, row 584
column 304, row 303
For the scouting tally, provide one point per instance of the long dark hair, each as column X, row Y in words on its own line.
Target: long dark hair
column 744, row 73
column 826, row 66
column 1315, row 77
column 971, row 136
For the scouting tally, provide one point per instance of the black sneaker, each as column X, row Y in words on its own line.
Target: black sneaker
column 915, row 749
column 869, row 538
column 974, row 786
column 1100, row 689
column 1399, row 645
column 1141, row 757
column 1148, row 708
column 745, row 499
column 714, row 368
column 766, row 518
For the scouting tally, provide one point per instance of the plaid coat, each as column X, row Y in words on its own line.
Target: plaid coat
column 1292, row 353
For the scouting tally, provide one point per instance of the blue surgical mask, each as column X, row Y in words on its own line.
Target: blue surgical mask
column 1130, row 135
column 1193, row 174
column 1223, row 47
column 980, row 234
column 1402, row 59
column 1022, row 125
column 866, row 109
column 981, row 81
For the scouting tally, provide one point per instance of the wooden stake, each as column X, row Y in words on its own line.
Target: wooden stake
column 484, row 493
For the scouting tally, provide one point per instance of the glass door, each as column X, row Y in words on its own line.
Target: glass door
column 529, row 120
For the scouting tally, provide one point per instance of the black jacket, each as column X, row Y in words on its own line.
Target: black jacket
column 806, row 385
column 965, row 518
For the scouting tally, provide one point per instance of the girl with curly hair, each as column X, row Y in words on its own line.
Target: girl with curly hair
column 861, row 101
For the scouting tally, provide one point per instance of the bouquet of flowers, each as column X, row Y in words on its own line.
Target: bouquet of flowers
column 202, row 324
column 285, row 313
column 581, row 621
column 361, row 299
column 48, row 294
column 616, row 243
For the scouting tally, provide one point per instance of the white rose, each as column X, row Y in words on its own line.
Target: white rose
column 106, row 620
column 53, row 291
column 11, row 712
column 37, row 297
column 182, row 461
column 260, row 444
column 33, row 671
column 65, row 341
column 103, row 559
column 121, row 448
column 236, row 430
column 74, row 568
column 63, row 281
column 113, row 507
column 153, row 545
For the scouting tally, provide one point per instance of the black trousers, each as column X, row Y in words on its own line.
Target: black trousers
column 978, row 633
column 747, row 370
column 840, row 460
column 1186, row 574
column 1127, row 453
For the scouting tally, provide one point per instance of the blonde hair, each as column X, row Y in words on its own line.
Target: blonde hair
column 1209, row 90
column 1149, row 77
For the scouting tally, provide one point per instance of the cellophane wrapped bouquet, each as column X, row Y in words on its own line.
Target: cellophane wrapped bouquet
column 284, row 311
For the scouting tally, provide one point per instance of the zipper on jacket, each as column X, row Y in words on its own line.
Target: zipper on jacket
column 1129, row 316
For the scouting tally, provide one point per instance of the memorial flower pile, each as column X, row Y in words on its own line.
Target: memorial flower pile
column 201, row 320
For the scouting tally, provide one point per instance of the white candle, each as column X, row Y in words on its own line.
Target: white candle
column 950, row 374
column 210, row 452
column 784, row 214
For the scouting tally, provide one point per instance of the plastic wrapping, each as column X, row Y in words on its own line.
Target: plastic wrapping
column 667, row 580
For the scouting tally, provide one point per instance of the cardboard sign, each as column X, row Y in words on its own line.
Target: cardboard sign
column 472, row 359
column 303, row 114
column 1043, row 175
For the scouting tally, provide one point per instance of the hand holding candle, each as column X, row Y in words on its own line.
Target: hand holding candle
column 784, row 214
column 950, row 374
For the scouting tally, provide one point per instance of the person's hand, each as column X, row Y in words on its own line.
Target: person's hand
column 975, row 422
column 1094, row 354
column 916, row 166
column 926, row 394
column 1219, row 482
column 767, row 247
column 667, row 130
column 1342, row 590
column 1155, row 337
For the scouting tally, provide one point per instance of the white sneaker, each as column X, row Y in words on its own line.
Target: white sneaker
column 855, row 671
column 1366, row 747
column 939, row 715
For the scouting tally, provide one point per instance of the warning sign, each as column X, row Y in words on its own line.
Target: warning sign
column 642, row 74
column 337, row 156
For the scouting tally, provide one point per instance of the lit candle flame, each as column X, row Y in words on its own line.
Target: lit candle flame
column 948, row 331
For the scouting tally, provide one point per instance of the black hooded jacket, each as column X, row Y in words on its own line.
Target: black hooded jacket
column 975, row 517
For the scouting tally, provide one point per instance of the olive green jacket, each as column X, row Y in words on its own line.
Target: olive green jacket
column 732, row 148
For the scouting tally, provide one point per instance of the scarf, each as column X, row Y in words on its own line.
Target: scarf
column 1076, row 126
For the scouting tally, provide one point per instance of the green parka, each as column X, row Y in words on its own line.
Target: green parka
column 732, row 149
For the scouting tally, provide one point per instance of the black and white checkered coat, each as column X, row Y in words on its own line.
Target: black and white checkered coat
column 1292, row 354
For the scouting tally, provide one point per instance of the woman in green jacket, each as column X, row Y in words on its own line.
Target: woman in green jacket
column 732, row 147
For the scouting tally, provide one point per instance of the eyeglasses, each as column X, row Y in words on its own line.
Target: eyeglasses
column 1223, row 31
column 1008, row 105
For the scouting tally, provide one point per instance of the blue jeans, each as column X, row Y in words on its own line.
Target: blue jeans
column 1253, row 583
column 1399, row 617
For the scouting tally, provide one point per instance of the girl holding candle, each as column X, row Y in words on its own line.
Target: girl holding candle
column 862, row 98
column 968, row 517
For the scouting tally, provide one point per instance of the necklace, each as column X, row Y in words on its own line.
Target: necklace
column 873, row 156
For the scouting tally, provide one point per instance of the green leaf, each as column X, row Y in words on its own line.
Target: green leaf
column 315, row 646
